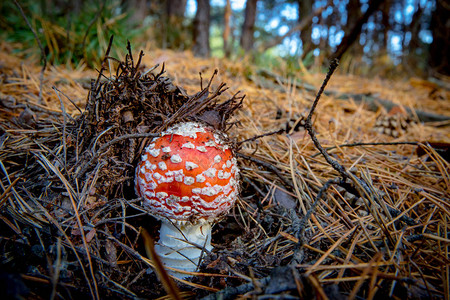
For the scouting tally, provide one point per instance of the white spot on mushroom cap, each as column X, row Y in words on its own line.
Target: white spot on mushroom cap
column 211, row 144
column 217, row 138
column 201, row 148
column 161, row 195
column 197, row 190
column 154, row 152
column 166, row 149
column 208, row 191
column 234, row 169
column 189, row 180
column 228, row 163
column 179, row 178
column 211, row 172
column 151, row 202
column 188, row 145
column 148, row 176
column 188, row 129
column 232, row 183
column 212, row 190
column 227, row 188
column 149, row 194
column 175, row 159
column 200, row 178
column 162, row 165
column 151, row 185
column 172, row 200
column 190, row 165
column 223, row 175
column 217, row 159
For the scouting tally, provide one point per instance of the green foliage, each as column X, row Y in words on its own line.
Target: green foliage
column 69, row 33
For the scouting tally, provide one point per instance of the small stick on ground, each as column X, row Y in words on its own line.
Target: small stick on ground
column 260, row 136
column 104, row 147
column 266, row 165
column 308, row 123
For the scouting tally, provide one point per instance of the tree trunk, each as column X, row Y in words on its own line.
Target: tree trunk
column 413, row 60
column 227, row 29
column 249, row 25
column 304, row 11
column 414, row 28
column 176, row 8
column 353, row 15
column 440, row 47
column 385, row 13
column 352, row 34
column 201, row 29
column 172, row 30
column 139, row 10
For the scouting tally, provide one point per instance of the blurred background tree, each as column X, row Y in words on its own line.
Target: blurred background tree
column 390, row 37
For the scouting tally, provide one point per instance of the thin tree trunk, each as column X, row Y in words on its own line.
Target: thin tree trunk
column 248, row 27
column 385, row 11
column 440, row 47
column 201, row 29
column 414, row 28
column 353, row 14
column 227, row 29
column 173, row 28
column 305, row 11
column 354, row 33
column 138, row 8
column 176, row 8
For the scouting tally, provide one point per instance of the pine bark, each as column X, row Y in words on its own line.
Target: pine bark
column 176, row 8
column 201, row 46
column 385, row 15
column 440, row 47
column 304, row 11
column 248, row 27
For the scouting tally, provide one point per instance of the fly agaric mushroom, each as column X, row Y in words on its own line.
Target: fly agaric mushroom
column 187, row 178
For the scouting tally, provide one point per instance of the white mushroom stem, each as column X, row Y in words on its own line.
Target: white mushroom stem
column 182, row 246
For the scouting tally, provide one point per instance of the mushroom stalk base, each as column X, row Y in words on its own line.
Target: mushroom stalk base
column 181, row 246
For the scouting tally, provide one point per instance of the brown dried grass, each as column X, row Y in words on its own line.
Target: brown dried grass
column 395, row 244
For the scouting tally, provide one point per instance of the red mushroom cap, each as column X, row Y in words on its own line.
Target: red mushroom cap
column 187, row 174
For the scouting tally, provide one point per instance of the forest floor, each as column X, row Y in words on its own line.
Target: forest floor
column 390, row 239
